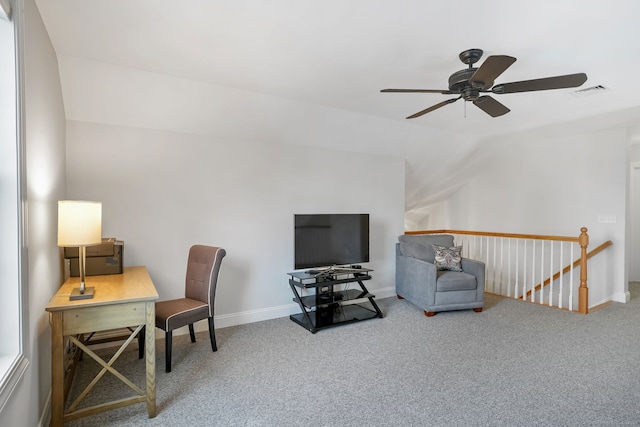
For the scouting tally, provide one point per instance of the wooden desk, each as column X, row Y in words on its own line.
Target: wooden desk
column 120, row 300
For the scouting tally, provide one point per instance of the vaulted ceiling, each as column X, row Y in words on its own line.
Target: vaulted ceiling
column 310, row 72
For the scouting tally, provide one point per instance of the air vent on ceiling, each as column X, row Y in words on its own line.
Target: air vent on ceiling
column 590, row 90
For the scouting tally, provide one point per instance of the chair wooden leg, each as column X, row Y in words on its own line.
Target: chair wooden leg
column 141, row 343
column 212, row 335
column 167, row 349
column 478, row 310
column 192, row 333
column 429, row 313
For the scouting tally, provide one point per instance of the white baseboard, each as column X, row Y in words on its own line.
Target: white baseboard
column 45, row 416
column 385, row 292
column 623, row 297
column 251, row 316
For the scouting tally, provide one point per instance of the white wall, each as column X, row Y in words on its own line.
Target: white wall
column 541, row 184
column 633, row 222
column 164, row 191
column 45, row 163
column 99, row 92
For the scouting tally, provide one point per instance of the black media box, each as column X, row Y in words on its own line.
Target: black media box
column 105, row 258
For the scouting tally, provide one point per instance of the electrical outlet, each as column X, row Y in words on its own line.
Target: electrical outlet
column 607, row 219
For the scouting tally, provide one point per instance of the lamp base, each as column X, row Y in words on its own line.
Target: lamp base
column 88, row 293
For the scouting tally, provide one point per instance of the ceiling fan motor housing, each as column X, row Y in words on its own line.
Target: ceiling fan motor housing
column 459, row 83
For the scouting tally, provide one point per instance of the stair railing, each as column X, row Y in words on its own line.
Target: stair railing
column 536, row 268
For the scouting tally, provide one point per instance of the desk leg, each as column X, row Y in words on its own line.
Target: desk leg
column 150, row 357
column 57, row 370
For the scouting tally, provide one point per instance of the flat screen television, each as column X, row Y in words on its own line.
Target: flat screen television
column 325, row 240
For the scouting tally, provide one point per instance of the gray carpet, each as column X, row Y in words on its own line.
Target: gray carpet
column 514, row 364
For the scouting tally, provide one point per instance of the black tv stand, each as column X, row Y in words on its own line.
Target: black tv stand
column 329, row 307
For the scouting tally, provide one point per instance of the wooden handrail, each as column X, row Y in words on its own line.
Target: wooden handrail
column 566, row 269
column 493, row 234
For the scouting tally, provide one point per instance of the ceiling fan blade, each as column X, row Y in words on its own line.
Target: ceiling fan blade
column 442, row 91
column 491, row 106
column 557, row 82
column 433, row 107
column 490, row 69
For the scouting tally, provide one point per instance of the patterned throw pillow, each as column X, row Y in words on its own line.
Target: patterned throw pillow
column 448, row 258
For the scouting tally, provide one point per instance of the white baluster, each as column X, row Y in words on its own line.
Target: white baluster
column 509, row 268
column 486, row 262
column 524, row 270
column 551, row 276
column 541, row 271
column 515, row 288
column 561, row 290
column 502, row 266
column 533, row 269
column 571, row 281
column 493, row 268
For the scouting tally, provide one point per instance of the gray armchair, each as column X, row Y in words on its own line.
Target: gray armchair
column 419, row 281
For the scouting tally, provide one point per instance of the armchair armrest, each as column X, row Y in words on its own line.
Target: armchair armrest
column 416, row 280
column 476, row 268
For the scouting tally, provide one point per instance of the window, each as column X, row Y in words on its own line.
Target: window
column 12, row 247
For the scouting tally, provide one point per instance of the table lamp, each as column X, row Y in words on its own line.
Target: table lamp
column 80, row 224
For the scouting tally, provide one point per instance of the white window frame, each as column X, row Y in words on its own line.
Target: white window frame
column 14, row 362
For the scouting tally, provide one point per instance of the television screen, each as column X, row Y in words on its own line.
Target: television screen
column 324, row 240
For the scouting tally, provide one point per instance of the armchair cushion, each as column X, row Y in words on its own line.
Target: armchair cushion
column 421, row 246
column 448, row 258
column 454, row 281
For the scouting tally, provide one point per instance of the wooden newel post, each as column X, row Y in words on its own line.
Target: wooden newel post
column 583, row 291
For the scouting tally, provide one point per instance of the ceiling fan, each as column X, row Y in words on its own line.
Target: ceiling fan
column 471, row 82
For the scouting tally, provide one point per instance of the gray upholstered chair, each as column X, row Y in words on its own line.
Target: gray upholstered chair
column 203, row 267
column 419, row 281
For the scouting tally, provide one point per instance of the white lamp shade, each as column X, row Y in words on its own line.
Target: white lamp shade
column 79, row 223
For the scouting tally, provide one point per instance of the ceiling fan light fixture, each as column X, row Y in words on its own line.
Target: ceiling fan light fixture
column 470, row 94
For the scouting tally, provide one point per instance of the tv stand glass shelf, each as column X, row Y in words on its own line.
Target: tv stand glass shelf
column 332, row 302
